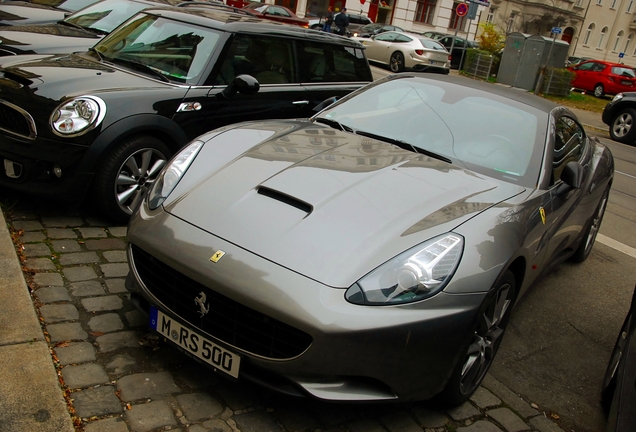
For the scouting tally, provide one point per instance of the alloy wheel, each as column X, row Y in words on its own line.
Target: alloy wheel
column 596, row 223
column 622, row 125
column 487, row 339
column 135, row 175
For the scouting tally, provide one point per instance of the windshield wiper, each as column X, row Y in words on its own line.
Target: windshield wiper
column 404, row 145
column 138, row 66
column 334, row 124
column 93, row 50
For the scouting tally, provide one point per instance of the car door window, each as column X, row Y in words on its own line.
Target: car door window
column 585, row 67
column 386, row 37
column 332, row 63
column 598, row 67
column 267, row 59
column 568, row 145
column 402, row 38
column 273, row 10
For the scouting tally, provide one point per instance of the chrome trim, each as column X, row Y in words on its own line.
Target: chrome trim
column 100, row 116
column 31, row 124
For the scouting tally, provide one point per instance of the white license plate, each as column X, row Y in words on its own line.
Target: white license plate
column 433, row 62
column 195, row 344
column 627, row 83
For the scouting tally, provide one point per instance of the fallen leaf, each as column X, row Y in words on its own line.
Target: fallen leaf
column 96, row 334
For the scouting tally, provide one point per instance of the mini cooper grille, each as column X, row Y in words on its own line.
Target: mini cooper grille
column 226, row 320
column 15, row 121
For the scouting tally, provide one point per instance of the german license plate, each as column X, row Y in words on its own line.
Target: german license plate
column 433, row 62
column 195, row 344
column 627, row 83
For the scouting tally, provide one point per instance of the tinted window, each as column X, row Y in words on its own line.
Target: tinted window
column 402, row 38
column 273, row 10
column 426, row 43
column 268, row 59
column 386, row 37
column 332, row 63
column 568, row 145
column 624, row 71
column 585, row 66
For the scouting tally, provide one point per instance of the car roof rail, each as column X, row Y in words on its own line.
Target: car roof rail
column 214, row 5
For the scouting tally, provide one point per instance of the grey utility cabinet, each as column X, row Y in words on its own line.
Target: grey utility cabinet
column 524, row 56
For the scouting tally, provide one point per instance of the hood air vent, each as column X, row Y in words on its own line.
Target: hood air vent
column 278, row 196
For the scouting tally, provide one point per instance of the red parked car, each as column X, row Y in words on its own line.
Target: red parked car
column 276, row 13
column 602, row 77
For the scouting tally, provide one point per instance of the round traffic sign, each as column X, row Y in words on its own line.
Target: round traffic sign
column 462, row 9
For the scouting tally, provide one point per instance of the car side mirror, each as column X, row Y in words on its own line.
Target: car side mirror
column 324, row 104
column 246, row 84
column 572, row 174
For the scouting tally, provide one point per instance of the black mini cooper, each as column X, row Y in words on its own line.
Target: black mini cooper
column 104, row 122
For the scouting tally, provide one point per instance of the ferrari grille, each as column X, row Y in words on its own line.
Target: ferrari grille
column 227, row 320
column 16, row 121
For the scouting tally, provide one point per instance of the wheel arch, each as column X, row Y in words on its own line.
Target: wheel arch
column 518, row 269
column 162, row 128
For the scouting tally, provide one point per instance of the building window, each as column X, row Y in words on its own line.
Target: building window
column 588, row 34
column 578, row 3
column 456, row 21
column 600, row 40
column 630, row 5
column 618, row 40
column 613, row 6
column 629, row 41
column 490, row 18
column 599, row 2
column 425, row 11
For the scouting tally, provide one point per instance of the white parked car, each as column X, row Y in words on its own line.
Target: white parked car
column 400, row 51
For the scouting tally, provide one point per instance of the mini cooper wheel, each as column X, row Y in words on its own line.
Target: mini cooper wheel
column 397, row 62
column 584, row 249
column 599, row 90
column 622, row 128
column 481, row 349
column 126, row 173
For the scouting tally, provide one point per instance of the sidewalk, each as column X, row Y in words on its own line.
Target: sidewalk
column 30, row 396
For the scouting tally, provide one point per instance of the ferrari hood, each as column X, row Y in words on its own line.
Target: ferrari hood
column 327, row 204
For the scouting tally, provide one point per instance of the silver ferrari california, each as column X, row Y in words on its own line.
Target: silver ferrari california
column 371, row 252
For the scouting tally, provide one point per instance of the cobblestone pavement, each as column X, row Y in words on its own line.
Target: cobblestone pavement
column 122, row 379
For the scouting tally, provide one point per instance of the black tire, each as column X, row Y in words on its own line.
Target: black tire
column 126, row 173
column 584, row 249
column 396, row 63
column 480, row 351
column 599, row 90
column 622, row 128
column 609, row 381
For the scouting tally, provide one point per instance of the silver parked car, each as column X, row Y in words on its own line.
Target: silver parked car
column 402, row 51
column 374, row 251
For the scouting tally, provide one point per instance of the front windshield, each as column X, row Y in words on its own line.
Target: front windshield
column 176, row 50
column 105, row 15
column 484, row 132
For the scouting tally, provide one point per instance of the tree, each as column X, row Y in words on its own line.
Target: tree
column 490, row 38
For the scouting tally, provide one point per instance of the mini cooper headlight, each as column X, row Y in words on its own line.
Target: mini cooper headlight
column 78, row 115
column 169, row 177
column 414, row 275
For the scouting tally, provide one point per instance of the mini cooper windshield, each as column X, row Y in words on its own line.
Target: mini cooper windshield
column 170, row 50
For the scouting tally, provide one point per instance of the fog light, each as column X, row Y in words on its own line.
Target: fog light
column 57, row 171
column 12, row 169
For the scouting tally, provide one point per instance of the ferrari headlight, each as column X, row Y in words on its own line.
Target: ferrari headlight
column 77, row 116
column 416, row 274
column 169, row 177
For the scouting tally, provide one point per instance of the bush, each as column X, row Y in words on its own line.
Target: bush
column 477, row 63
column 556, row 81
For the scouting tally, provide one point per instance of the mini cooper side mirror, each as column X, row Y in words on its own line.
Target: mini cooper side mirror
column 572, row 174
column 246, row 84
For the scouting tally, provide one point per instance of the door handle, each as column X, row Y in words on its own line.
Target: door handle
column 302, row 102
